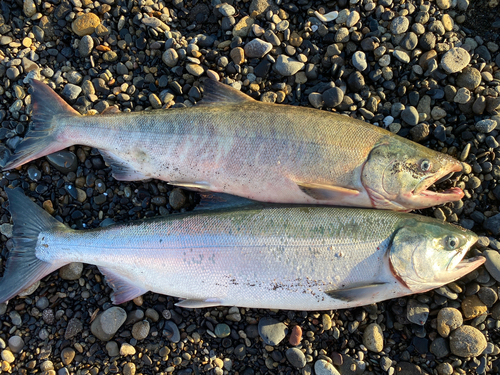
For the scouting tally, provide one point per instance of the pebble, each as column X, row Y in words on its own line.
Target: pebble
column 467, row 341
column 469, row 78
column 72, row 271
column 222, row 330
column 140, row 330
column 486, row 126
column 399, row 25
column 492, row 263
column 257, row 48
column 473, row 307
column 85, row 24
column 417, row 312
column 448, row 319
column 71, row 91
column 172, row 330
column 272, row 331
column 410, row 115
column 373, row 338
column 67, row 356
column 296, row 357
column 295, row 336
column 287, row 66
column 106, row 324
column 170, row 57
column 322, row 367
column 7, row 356
column 332, row 97
column 455, row 60
column 242, row 28
column 127, row 349
column 440, row 347
column 359, row 61
column 85, row 46
column 29, row 8
column 16, row 344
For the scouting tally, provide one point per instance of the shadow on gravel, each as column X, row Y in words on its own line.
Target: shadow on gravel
column 483, row 20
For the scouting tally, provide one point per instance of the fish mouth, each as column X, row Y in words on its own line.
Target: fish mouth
column 464, row 267
column 431, row 198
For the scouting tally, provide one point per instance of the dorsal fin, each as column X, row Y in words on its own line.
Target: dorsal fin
column 215, row 92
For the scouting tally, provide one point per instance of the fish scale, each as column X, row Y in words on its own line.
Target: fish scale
column 248, row 255
column 233, row 144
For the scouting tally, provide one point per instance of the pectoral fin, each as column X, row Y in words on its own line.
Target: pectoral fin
column 196, row 186
column 326, row 192
column 199, row 303
column 121, row 169
column 123, row 289
column 356, row 293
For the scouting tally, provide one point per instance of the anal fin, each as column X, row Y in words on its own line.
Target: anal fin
column 123, row 289
column 323, row 192
column 121, row 169
column 196, row 185
column 356, row 293
column 199, row 303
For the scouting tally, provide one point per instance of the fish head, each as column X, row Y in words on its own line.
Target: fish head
column 398, row 173
column 425, row 253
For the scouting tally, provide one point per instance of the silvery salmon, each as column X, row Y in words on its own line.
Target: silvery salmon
column 233, row 144
column 301, row 258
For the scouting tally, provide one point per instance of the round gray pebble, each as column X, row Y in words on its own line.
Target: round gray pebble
column 296, row 357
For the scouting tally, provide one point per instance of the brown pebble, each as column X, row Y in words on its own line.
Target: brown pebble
column 337, row 359
column 85, row 24
column 238, row 55
column 296, row 336
column 47, row 206
column 473, row 307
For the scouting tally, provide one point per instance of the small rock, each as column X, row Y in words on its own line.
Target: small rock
column 72, row 271
column 140, row 330
column 107, row 323
column 257, row 48
column 469, row 78
column 296, row 357
column 29, row 8
column 67, row 356
column 172, row 331
column 455, row 60
column 222, row 330
column 448, row 319
column 286, row 66
column 333, row 97
column 177, row 199
column 322, row 367
column 492, row 263
column 7, row 356
column 295, row 336
column 112, row 349
column 359, row 61
column 85, row 24
column 407, row 368
column 373, row 338
column 242, row 28
column 410, row 115
column 170, row 57
column 399, row 25
column 272, row 331
column 417, row 312
column 486, row 126
column 473, row 307
column 467, row 341
column 85, row 46
column 16, row 344
column 440, row 347
column 127, row 349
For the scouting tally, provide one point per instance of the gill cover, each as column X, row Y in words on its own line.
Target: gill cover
column 423, row 255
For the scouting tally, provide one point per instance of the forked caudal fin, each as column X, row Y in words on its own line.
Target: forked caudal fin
column 23, row 268
column 49, row 113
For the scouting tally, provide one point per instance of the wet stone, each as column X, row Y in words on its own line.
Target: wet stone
column 16, row 344
column 140, row 330
column 488, row 296
column 67, row 356
column 177, row 198
column 440, row 347
column 63, row 161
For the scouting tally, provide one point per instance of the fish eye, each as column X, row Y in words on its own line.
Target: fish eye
column 452, row 242
column 425, row 165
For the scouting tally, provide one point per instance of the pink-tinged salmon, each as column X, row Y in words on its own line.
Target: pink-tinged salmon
column 233, row 144
column 299, row 258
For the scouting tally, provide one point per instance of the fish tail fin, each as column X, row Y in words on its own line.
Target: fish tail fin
column 23, row 268
column 50, row 113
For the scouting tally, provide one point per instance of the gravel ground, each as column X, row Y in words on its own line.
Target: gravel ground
column 428, row 71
